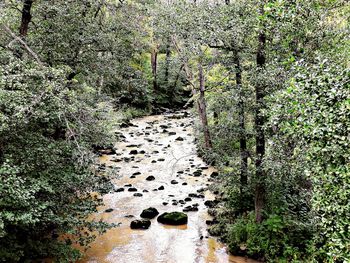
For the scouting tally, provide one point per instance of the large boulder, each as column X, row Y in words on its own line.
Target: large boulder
column 173, row 218
column 140, row 224
column 149, row 213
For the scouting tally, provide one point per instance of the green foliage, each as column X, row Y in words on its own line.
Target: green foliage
column 128, row 113
column 316, row 110
column 51, row 113
column 306, row 107
column 277, row 239
column 48, row 125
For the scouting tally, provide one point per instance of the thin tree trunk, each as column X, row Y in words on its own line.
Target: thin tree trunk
column 173, row 86
column 26, row 17
column 1, row 153
column 260, row 137
column 203, row 109
column 167, row 62
column 154, row 58
column 216, row 118
column 242, row 132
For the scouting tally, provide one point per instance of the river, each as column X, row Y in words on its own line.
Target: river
column 166, row 150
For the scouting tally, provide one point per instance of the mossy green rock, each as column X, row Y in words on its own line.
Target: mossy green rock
column 173, row 218
column 149, row 213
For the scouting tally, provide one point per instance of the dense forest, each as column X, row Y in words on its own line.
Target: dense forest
column 268, row 84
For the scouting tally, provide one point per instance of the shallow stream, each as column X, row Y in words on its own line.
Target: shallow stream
column 166, row 150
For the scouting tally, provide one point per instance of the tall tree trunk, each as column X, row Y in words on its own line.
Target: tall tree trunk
column 169, row 91
column 260, row 137
column 216, row 117
column 1, row 153
column 203, row 109
column 242, row 132
column 154, row 62
column 26, row 17
column 25, row 20
column 173, row 86
column 167, row 62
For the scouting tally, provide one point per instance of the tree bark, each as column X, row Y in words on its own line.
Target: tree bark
column 1, row 153
column 203, row 109
column 260, row 137
column 26, row 17
column 167, row 62
column 242, row 132
column 216, row 118
column 154, row 62
column 173, row 86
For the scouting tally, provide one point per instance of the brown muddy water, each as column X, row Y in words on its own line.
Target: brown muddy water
column 166, row 157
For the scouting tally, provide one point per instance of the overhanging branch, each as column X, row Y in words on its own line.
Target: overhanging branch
column 23, row 43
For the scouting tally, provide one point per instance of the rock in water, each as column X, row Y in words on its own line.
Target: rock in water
column 214, row 174
column 173, row 218
column 149, row 213
column 210, row 203
column 197, row 173
column 190, row 209
column 150, row 178
column 140, row 224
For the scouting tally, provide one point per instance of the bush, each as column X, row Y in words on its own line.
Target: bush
column 48, row 125
column 277, row 239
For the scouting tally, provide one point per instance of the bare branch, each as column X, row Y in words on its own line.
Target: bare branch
column 24, row 44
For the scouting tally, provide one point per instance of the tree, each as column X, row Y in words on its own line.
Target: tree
column 259, row 123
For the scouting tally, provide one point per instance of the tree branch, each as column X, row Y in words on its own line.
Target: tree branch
column 24, row 44
column 186, row 69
